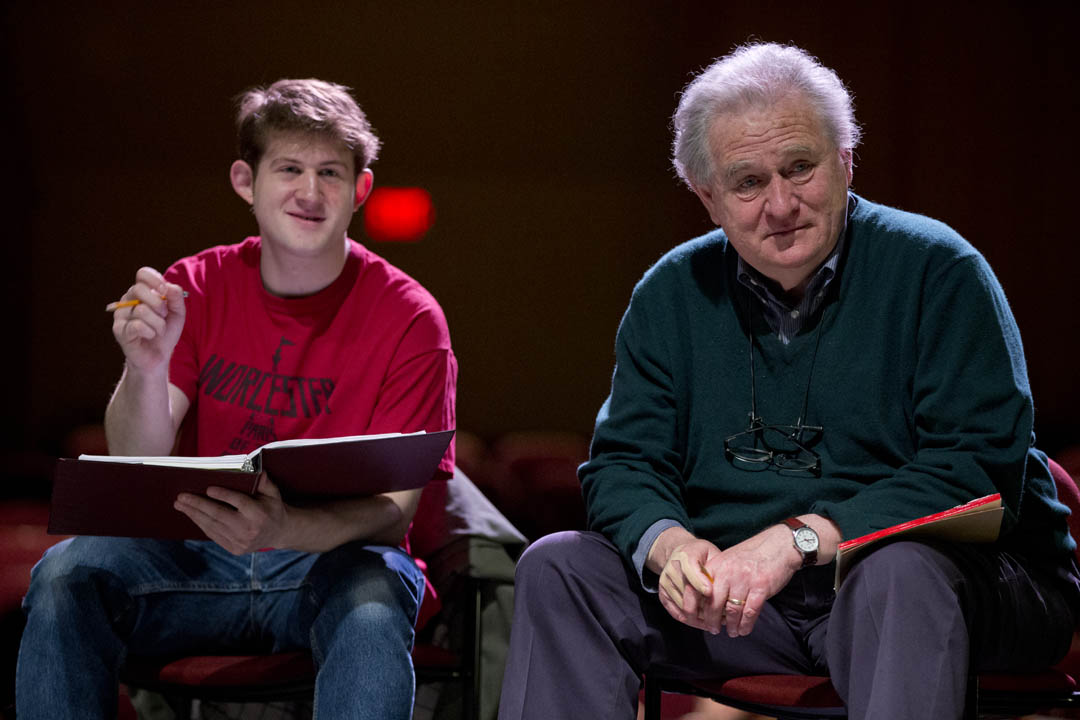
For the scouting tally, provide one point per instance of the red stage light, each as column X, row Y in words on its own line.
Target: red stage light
column 398, row 214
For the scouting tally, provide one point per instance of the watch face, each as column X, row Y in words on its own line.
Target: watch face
column 806, row 539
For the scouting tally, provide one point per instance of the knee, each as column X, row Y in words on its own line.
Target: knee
column 75, row 572
column 380, row 591
column 914, row 574
column 374, row 619
column 67, row 559
column 551, row 553
column 558, row 568
column 383, row 598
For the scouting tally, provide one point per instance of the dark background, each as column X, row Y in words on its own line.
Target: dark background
column 541, row 130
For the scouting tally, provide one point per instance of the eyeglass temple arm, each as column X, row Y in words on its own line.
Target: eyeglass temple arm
column 754, row 419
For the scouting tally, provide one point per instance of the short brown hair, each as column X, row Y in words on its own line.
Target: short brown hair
column 310, row 105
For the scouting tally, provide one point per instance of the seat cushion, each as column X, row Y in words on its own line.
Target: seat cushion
column 284, row 669
column 224, row 670
column 806, row 691
column 1042, row 681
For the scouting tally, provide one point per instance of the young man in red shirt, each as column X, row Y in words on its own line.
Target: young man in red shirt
column 297, row 332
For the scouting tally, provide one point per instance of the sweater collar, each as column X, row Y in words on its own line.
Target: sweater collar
column 786, row 320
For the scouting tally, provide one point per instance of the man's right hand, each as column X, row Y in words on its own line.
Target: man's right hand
column 686, row 589
column 148, row 332
column 145, row 411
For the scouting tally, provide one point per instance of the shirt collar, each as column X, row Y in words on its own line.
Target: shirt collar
column 784, row 319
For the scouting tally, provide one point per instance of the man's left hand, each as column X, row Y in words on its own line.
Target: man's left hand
column 236, row 521
column 748, row 574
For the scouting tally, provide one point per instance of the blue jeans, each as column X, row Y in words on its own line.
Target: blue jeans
column 93, row 601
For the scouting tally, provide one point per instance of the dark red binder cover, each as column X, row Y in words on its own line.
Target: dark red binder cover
column 136, row 500
column 101, row 498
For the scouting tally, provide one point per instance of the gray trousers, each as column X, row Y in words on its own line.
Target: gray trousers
column 897, row 640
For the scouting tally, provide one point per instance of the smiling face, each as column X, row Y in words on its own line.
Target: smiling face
column 303, row 195
column 779, row 189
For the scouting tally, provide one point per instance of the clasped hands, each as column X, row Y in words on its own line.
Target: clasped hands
column 708, row 588
column 239, row 522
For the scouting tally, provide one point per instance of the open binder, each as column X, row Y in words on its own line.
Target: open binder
column 133, row 496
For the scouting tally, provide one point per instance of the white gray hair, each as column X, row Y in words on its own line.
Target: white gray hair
column 754, row 76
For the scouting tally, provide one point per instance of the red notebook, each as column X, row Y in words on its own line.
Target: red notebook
column 133, row 496
column 978, row 521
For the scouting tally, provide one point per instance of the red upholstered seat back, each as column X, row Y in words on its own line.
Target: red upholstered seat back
column 1070, row 495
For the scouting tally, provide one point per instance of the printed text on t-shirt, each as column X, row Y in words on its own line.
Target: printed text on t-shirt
column 265, row 391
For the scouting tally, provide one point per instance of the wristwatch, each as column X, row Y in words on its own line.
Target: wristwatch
column 806, row 540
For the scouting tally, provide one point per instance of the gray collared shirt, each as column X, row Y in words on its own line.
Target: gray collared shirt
column 784, row 320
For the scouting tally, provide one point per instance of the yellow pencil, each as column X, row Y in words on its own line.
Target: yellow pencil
column 113, row 306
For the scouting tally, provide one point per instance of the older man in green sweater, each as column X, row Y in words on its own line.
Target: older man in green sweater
column 819, row 368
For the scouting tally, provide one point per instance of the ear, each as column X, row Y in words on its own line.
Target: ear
column 710, row 200
column 847, row 157
column 243, row 181
column 364, row 180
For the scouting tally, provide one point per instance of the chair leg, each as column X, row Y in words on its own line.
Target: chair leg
column 470, row 701
column 653, row 693
column 971, row 697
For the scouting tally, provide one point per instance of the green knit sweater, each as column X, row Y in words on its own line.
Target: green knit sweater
column 919, row 382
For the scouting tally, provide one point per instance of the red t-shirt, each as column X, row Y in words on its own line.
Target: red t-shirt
column 368, row 354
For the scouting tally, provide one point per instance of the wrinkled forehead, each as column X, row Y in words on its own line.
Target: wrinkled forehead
column 791, row 126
